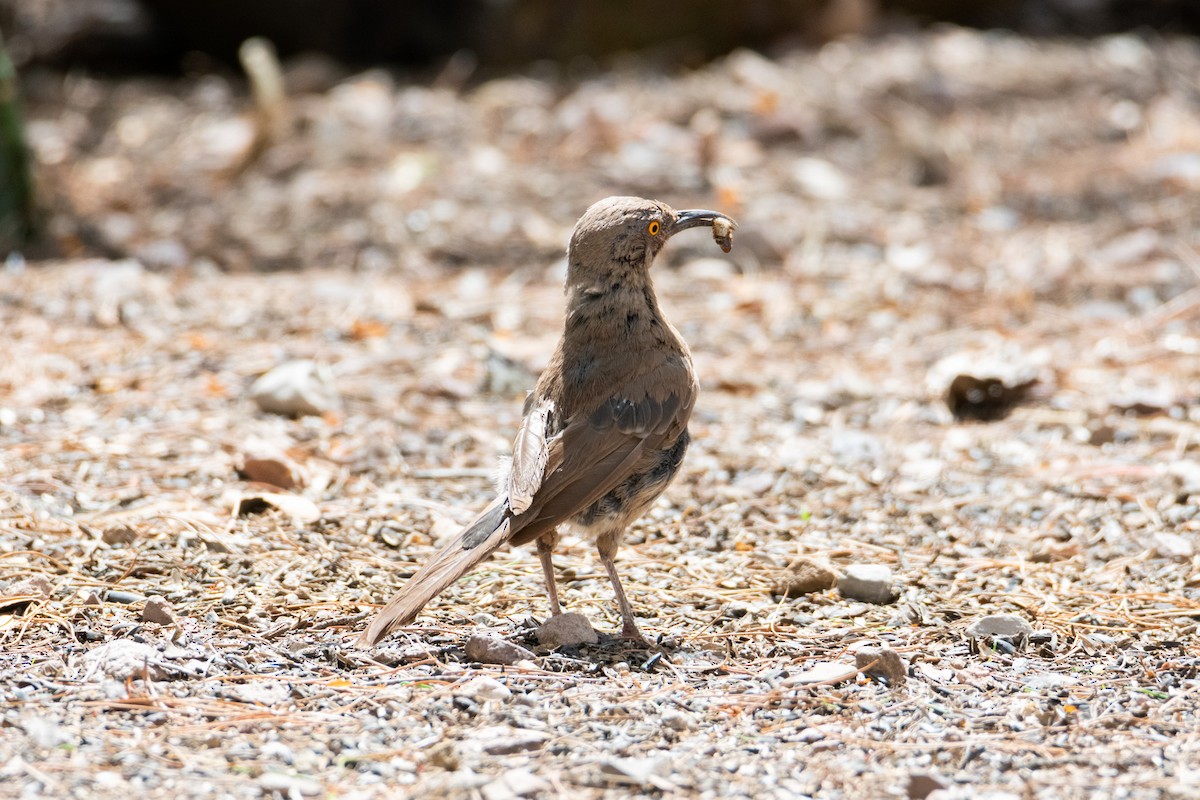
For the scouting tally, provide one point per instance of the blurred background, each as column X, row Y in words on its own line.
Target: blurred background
column 166, row 35
column 386, row 125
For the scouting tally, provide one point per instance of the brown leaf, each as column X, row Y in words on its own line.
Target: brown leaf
column 272, row 470
column 985, row 399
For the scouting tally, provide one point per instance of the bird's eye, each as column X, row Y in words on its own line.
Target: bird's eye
column 654, row 228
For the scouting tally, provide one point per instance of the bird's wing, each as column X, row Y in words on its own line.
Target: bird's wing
column 531, row 454
column 594, row 453
column 554, row 477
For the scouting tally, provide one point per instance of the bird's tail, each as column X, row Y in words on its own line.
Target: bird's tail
column 473, row 544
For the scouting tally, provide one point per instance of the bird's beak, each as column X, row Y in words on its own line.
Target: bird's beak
column 697, row 217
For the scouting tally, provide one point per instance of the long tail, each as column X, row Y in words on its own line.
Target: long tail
column 475, row 543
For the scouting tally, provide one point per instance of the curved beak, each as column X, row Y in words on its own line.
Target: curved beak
column 697, row 217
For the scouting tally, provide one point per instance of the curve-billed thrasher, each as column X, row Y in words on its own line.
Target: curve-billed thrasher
column 605, row 430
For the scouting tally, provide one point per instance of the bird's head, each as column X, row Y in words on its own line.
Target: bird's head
column 631, row 230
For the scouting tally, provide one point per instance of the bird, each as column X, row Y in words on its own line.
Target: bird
column 605, row 429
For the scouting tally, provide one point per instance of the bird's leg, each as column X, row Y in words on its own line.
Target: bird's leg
column 545, row 546
column 607, row 544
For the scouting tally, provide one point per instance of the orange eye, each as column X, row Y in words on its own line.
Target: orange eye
column 654, row 228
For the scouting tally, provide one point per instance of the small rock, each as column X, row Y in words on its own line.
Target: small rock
column 823, row 672
column 487, row 648
column 1001, row 631
column 259, row 693
column 1172, row 545
column 736, row 609
column 158, row 610
column 17, row 597
column 851, row 447
column 463, row 782
column 109, row 779
column 804, row 576
column 394, row 651
column 391, row 536
column 121, row 659
column 289, row 785
column 870, row 583
column 809, row 735
column 296, row 389
column 163, row 254
column 1134, row 247
column 921, row 785
column 819, row 179
column 845, row 611
column 222, row 143
column 1049, row 550
column 637, row 771
column 277, row 751
column 1186, row 475
column 881, row 663
column 1009, row 625
column 935, row 674
column 298, row 508
column 503, row 740
column 1182, row 169
column 44, row 731
column 1048, row 681
column 482, row 689
column 122, row 597
column 567, row 630
column 1145, row 401
column 517, row 782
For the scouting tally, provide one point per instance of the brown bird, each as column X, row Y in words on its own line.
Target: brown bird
column 605, row 429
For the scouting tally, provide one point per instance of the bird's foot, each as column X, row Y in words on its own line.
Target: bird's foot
column 630, row 633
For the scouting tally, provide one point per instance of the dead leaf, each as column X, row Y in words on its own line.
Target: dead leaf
column 985, row 399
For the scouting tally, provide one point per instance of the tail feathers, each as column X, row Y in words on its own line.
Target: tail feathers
column 475, row 543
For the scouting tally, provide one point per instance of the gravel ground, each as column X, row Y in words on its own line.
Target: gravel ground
column 182, row 574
